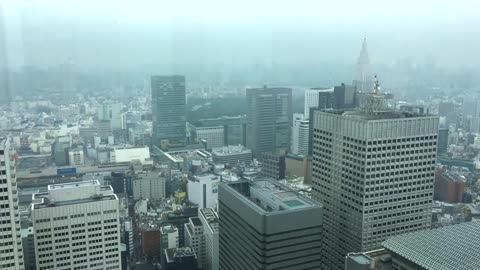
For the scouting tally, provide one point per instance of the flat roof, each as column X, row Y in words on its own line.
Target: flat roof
column 211, row 218
column 47, row 203
column 272, row 196
column 452, row 247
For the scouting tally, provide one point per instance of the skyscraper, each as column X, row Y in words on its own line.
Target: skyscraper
column 76, row 225
column 11, row 253
column 269, row 119
column 266, row 225
column 168, row 110
column 362, row 79
column 314, row 96
column 373, row 170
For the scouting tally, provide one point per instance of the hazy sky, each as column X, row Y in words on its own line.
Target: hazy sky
column 117, row 34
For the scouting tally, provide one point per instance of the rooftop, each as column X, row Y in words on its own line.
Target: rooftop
column 73, row 193
column 272, row 196
column 451, row 247
column 211, row 217
column 230, row 150
column 376, row 260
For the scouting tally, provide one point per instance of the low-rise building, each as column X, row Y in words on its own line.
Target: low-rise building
column 231, row 155
column 148, row 185
column 449, row 186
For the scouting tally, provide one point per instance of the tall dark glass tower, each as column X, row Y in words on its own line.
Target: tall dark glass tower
column 168, row 111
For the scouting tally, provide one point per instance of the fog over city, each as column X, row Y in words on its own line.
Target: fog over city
column 229, row 35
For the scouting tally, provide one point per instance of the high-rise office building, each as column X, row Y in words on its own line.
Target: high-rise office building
column 314, row 96
column 168, row 110
column 11, row 253
column 373, row 170
column 266, row 225
column 300, row 132
column 269, row 119
column 76, row 225
column 112, row 112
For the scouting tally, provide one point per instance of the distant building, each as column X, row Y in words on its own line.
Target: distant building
column 257, row 221
column 194, row 238
column 273, row 165
column 112, row 112
column 231, row 155
column 77, row 224
column 11, row 255
column 235, row 128
column 442, row 141
column 209, row 219
column 367, row 164
column 203, row 190
column 148, row 185
column 363, row 74
column 300, row 166
column 317, row 97
column 76, row 156
column 120, row 154
column 269, row 119
column 168, row 111
column 212, row 136
column 449, row 187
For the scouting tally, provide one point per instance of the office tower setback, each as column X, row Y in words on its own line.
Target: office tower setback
column 269, row 119
column 76, row 225
column 168, row 110
column 11, row 253
column 212, row 136
column 373, row 170
column 266, row 225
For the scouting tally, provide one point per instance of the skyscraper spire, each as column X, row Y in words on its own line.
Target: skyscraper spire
column 362, row 77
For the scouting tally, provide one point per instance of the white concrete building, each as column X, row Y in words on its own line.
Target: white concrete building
column 77, row 225
column 214, row 136
column 194, row 238
column 311, row 99
column 148, row 185
column 76, row 157
column 128, row 153
column 168, row 237
column 300, row 130
column 112, row 112
column 11, row 253
column 203, row 190
column 209, row 219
